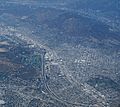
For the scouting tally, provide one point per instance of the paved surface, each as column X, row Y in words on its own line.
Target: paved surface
column 27, row 78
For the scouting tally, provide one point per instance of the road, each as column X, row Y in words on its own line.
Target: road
column 55, row 58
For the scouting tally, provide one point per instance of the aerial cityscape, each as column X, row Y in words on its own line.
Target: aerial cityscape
column 59, row 53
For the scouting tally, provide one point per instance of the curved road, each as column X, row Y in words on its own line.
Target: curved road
column 85, row 87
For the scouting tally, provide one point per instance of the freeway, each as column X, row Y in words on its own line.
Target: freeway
column 82, row 86
column 85, row 87
column 55, row 58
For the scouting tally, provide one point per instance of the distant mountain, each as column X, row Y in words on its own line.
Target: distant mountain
column 97, row 4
